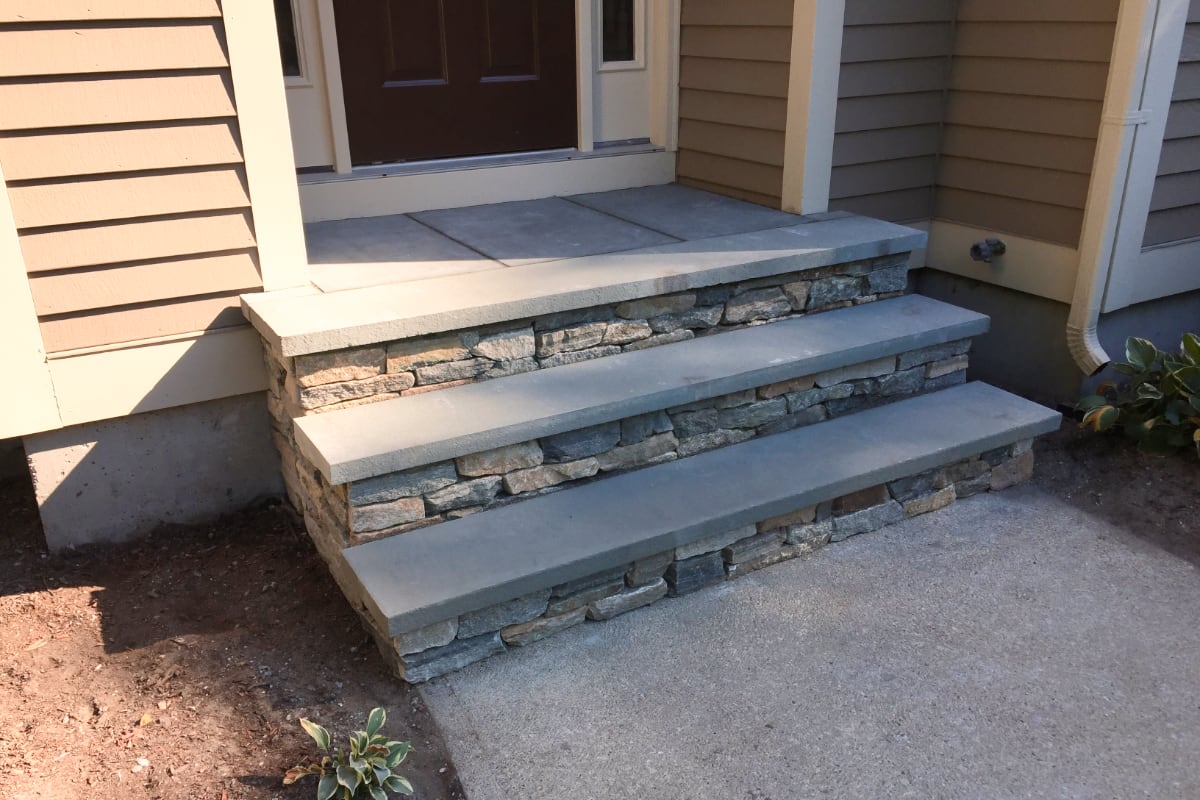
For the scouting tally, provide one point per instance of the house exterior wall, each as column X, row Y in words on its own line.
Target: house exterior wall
column 733, row 90
column 895, row 71
column 1175, row 203
column 125, row 173
column 1023, row 114
column 132, row 151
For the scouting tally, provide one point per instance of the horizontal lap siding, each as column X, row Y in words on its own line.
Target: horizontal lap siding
column 733, row 83
column 122, row 156
column 1175, row 204
column 891, row 100
column 1023, row 113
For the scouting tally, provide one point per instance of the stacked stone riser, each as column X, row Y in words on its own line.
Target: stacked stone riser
column 399, row 502
column 324, row 382
column 454, row 643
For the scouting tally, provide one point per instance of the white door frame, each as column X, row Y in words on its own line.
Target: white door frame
column 660, row 32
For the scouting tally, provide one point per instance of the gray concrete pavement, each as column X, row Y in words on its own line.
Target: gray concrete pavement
column 1008, row 647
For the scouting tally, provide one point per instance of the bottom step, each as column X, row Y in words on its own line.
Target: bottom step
column 460, row 578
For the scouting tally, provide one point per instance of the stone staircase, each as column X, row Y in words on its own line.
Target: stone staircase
column 485, row 459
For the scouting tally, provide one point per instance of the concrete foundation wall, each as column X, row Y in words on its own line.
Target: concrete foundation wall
column 1026, row 349
column 112, row 480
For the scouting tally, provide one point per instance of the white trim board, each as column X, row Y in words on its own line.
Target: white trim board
column 1030, row 266
column 135, row 379
column 403, row 194
column 1161, row 272
column 32, row 407
column 1126, row 277
column 262, row 117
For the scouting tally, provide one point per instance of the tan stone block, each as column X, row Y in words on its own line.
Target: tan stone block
column 413, row 353
column 787, row 387
column 537, row 629
column 377, row 517
column 946, row 366
column 863, row 498
column 854, row 372
column 500, row 460
column 930, row 502
column 1014, row 471
column 802, row 516
column 531, row 480
column 330, row 393
column 636, row 455
column 340, row 366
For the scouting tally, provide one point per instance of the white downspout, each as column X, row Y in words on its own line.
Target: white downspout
column 1122, row 115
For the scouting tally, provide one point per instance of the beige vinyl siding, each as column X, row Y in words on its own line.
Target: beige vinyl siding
column 891, row 99
column 123, row 161
column 1175, row 204
column 1023, row 113
column 733, row 84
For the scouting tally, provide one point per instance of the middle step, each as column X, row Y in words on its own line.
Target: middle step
column 362, row 442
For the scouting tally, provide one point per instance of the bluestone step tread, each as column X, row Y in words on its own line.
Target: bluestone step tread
column 365, row 441
column 432, row 574
column 296, row 324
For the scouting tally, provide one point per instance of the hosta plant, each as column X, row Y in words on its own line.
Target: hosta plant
column 1158, row 404
column 366, row 770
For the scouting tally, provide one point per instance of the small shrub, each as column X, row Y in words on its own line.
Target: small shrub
column 1159, row 404
column 366, row 771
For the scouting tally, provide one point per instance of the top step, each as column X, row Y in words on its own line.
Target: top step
column 301, row 323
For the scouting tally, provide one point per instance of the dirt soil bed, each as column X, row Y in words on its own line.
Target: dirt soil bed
column 177, row 667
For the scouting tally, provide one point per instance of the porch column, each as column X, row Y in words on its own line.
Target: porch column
column 812, row 104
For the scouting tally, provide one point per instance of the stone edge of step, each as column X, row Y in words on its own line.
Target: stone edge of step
column 313, row 432
column 301, row 322
column 1014, row 419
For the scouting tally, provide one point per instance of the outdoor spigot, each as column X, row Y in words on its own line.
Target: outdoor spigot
column 985, row 250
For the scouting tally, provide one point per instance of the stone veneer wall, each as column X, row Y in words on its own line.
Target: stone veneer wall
column 391, row 504
column 452, row 644
column 323, row 382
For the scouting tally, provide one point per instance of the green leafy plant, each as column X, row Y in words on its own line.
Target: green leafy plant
column 366, row 770
column 1158, row 405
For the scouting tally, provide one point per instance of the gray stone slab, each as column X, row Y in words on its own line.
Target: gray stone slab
column 369, row 251
column 461, row 566
column 379, row 438
column 296, row 323
column 1011, row 646
column 529, row 231
column 686, row 213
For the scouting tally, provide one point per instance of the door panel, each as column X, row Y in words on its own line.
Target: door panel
column 510, row 40
column 440, row 78
column 414, row 45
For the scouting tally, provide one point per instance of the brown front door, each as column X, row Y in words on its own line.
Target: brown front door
column 441, row 78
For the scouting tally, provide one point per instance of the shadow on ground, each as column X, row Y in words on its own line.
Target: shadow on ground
column 195, row 650
column 1156, row 500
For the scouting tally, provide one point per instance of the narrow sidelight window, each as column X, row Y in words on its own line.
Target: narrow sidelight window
column 618, row 39
column 285, row 23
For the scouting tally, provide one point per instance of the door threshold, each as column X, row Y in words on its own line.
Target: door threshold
column 434, row 166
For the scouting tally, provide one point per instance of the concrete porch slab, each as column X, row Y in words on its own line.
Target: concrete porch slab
column 686, row 213
column 531, row 231
column 1008, row 647
column 369, row 251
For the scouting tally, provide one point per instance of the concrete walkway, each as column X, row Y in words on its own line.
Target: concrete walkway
column 1008, row 647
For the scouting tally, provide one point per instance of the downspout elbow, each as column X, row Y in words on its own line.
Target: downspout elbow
column 1085, row 347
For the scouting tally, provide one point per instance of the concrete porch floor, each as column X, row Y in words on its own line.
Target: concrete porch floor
column 371, row 251
column 1011, row 646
